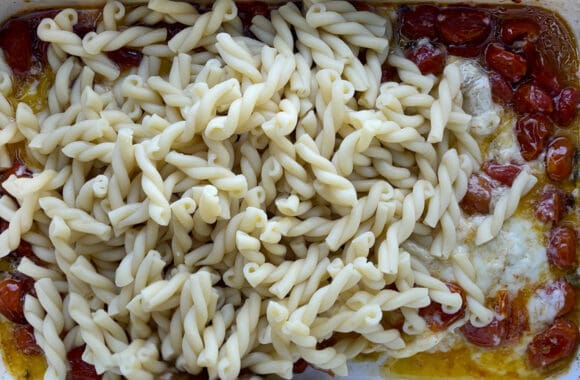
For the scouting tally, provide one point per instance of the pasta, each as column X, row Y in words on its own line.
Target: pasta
column 232, row 202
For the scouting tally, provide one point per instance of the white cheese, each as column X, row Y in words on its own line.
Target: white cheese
column 515, row 258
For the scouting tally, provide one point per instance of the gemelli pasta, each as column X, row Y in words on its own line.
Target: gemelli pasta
column 234, row 203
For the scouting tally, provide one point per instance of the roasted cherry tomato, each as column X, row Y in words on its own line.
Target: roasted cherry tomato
column 553, row 205
column 436, row 318
column 532, row 133
column 562, row 248
column 562, row 288
column 300, row 366
column 501, row 90
column 530, row 97
column 555, row 343
column 126, row 58
column 510, row 65
column 541, row 69
column 494, row 333
column 25, row 341
column 79, row 369
column 566, row 106
column 517, row 29
column 418, row 21
column 503, row 173
column 429, row 58
column 559, row 159
column 517, row 320
column 12, row 292
column 478, row 196
column 16, row 41
column 463, row 25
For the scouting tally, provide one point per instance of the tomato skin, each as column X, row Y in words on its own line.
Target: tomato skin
column 16, row 41
column 429, row 58
column 125, row 58
column 25, row 341
column 561, row 249
column 503, row 173
column 501, row 90
column 436, row 318
column 532, row 133
column 299, row 366
column 419, row 21
column 463, row 25
column 553, row 205
column 478, row 196
column 12, row 292
column 79, row 369
column 566, row 106
column 494, row 333
column 559, row 159
column 530, row 97
column 510, row 65
column 517, row 318
column 516, row 29
column 555, row 343
column 541, row 69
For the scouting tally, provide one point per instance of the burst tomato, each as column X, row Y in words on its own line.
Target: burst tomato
column 478, row 196
column 436, row 318
column 555, row 343
column 532, row 133
column 562, row 248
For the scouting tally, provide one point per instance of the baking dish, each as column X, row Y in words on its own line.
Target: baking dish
column 569, row 11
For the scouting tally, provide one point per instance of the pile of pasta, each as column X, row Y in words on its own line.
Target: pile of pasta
column 235, row 201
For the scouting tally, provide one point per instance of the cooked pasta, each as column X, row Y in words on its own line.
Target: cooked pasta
column 232, row 202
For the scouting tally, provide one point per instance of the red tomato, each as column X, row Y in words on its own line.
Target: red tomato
column 516, row 29
column 12, row 292
column 25, row 341
column 562, row 248
column 418, row 21
column 510, row 65
column 79, row 369
column 467, row 51
column 126, row 58
column 566, row 106
column 553, row 205
column 517, row 320
column 555, row 343
column 541, row 69
column 478, row 196
column 16, row 41
column 532, row 132
column 559, row 159
column 300, row 366
column 463, row 25
column 503, row 173
column 436, row 318
column 530, row 97
column 501, row 90
column 430, row 59
column 494, row 333
column 389, row 73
